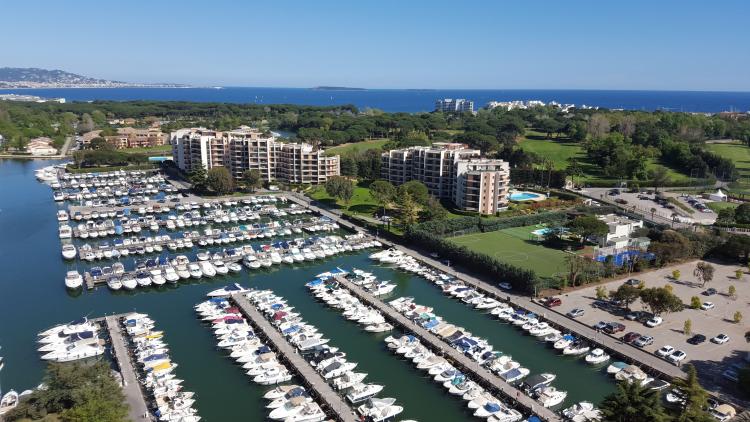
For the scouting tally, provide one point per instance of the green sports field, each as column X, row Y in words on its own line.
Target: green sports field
column 515, row 246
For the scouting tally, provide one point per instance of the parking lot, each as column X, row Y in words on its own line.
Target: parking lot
column 644, row 202
column 709, row 358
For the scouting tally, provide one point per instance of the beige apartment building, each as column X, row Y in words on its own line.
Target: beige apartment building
column 452, row 171
column 249, row 149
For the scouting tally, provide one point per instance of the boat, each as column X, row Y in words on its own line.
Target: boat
column 362, row 392
column 596, row 357
column 292, row 406
column 8, row 402
column 279, row 391
column 114, row 283
column 128, row 282
column 616, row 367
column 73, row 280
column 550, row 396
column 377, row 410
column 536, row 382
column 348, row 380
column 576, row 348
column 311, row 412
column 228, row 290
column 69, row 251
column 583, row 411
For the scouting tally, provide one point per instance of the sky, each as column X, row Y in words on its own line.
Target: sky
column 529, row 44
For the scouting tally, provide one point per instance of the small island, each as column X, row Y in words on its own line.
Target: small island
column 336, row 88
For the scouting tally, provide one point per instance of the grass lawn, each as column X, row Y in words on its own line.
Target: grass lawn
column 357, row 146
column 514, row 246
column 717, row 206
column 361, row 203
column 740, row 156
column 562, row 150
column 161, row 149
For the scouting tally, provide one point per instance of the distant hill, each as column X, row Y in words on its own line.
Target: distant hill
column 31, row 77
column 336, row 88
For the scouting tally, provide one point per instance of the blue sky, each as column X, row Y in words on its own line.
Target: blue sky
column 633, row 44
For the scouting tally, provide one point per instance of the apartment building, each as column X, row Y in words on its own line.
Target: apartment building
column 249, row 149
column 452, row 171
column 459, row 105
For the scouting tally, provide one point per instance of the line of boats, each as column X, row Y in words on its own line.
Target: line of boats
column 328, row 361
column 75, row 340
column 160, row 271
column 155, row 370
column 327, row 290
column 234, row 334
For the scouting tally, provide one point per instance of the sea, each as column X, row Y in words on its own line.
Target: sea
column 33, row 297
column 413, row 100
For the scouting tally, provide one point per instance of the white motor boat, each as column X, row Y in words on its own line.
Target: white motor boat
column 74, row 352
column 616, row 367
column 273, row 377
column 348, row 380
column 362, row 392
column 220, row 267
column 596, row 357
column 550, row 396
column 289, row 409
column 73, row 280
column 227, row 291
column 195, row 270
column 576, row 349
column 279, row 391
column 129, row 282
column 114, row 283
column 207, row 268
column 69, row 251
column 157, row 278
column 378, row 410
column 581, row 411
column 311, row 412
column 8, row 402
column 170, row 274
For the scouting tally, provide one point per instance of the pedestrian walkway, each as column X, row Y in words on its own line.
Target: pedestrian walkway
column 137, row 409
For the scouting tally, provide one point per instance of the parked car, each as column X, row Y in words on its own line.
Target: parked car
column 575, row 313
column 731, row 374
column 614, row 327
column 505, row 286
column 601, row 304
column 643, row 341
column 654, row 322
column 677, row 356
column 552, row 302
column 631, row 336
column 664, row 351
column 633, row 282
column 614, row 192
column 720, row 339
column 621, row 201
column 707, row 305
column 709, row 292
column 697, row 339
column 636, row 316
column 600, row 325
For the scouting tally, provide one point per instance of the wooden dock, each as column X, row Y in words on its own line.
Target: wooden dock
column 137, row 407
column 479, row 374
column 330, row 402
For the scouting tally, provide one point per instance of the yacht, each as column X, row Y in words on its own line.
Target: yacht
column 293, row 406
column 550, row 396
column 576, row 348
column 195, row 270
column 273, row 377
column 311, row 412
column 73, row 280
column 114, row 283
column 69, row 251
column 171, row 275
column 348, row 380
column 596, row 357
column 362, row 392
column 220, row 267
column 207, row 268
column 227, row 291
column 65, row 232
column 378, row 410
column 128, row 282
column 280, row 391
column 143, row 279
column 583, row 411
column 74, row 352
column 8, row 402
column 616, row 367
column 156, row 277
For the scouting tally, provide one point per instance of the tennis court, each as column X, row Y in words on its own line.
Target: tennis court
column 516, row 246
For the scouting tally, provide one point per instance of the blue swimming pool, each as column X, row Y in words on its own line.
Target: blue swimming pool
column 525, row 196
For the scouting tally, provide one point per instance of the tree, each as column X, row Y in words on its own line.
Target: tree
column 408, row 212
column 383, row 192
column 252, row 179
column 219, row 180
column 742, row 213
column 633, row 402
column 581, row 270
column 86, row 124
column 660, row 300
column 626, row 294
column 601, row 292
column 732, row 292
column 340, row 187
column 434, row 210
column 417, row 190
column 659, row 177
column 695, row 302
column 586, row 226
column 653, row 211
column 704, row 272
column 695, row 398
column 676, row 275
column 687, row 327
column 737, row 317
column 738, row 274
column 197, row 177
column 77, row 393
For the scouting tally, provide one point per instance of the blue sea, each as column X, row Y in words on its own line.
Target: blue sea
column 403, row 100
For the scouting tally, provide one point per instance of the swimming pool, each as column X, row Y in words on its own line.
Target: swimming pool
column 526, row 196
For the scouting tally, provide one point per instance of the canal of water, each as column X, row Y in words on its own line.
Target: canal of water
column 33, row 297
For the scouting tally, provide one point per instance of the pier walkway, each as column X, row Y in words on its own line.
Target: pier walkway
column 137, row 407
column 332, row 403
column 479, row 374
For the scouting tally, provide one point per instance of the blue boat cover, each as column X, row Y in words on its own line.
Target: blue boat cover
column 492, row 407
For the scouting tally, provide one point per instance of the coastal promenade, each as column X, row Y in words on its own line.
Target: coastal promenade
column 332, row 403
column 478, row 373
column 137, row 407
column 646, row 361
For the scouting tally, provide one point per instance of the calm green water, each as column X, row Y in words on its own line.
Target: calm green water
column 33, row 297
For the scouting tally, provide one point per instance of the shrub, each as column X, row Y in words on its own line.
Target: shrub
column 695, row 302
column 737, row 317
column 687, row 327
column 676, row 275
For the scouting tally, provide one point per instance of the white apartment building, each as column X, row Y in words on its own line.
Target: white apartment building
column 459, row 105
column 249, row 149
column 620, row 230
column 451, row 171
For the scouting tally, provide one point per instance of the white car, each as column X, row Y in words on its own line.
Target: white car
column 720, row 339
column 654, row 322
column 677, row 356
column 665, row 351
column 707, row 305
column 505, row 286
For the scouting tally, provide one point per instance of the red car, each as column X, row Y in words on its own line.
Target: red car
column 630, row 337
column 552, row 302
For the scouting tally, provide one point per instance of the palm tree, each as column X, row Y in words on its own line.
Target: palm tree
column 633, row 402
